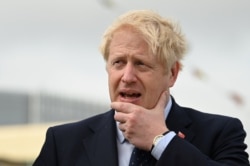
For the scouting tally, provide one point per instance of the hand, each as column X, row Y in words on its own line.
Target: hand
column 140, row 125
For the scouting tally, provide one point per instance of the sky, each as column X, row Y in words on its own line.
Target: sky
column 52, row 46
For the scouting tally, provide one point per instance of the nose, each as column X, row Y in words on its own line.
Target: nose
column 129, row 75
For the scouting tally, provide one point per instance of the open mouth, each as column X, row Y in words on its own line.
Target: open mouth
column 130, row 95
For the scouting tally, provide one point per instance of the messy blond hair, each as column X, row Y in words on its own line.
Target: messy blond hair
column 163, row 37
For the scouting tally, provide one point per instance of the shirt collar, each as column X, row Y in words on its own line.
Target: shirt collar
column 120, row 136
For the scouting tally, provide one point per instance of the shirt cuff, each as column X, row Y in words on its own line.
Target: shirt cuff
column 162, row 145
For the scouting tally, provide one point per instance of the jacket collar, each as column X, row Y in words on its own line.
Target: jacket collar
column 179, row 121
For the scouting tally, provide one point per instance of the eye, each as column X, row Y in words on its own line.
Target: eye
column 142, row 65
column 118, row 63
column 139, row 63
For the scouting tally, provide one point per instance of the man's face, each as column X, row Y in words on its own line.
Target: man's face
column 135, row 76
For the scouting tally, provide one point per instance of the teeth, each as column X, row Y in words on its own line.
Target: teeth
column 130, row 95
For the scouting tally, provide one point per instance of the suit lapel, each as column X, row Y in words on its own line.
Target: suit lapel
column 101, row 146
column 179, row 121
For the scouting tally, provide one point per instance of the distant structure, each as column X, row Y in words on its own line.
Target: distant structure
column 24, row 108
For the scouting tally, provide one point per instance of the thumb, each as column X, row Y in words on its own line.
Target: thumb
column 161, row 104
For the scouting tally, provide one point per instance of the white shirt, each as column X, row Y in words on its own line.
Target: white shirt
column 125, row 148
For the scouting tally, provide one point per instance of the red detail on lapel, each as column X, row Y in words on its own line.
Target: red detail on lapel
column 181, row 135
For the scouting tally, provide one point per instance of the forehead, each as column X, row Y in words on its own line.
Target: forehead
column 128, row 39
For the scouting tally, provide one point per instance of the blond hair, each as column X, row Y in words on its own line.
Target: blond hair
column 163, row 37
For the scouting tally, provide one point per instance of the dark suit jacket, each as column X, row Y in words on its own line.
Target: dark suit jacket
column 210, row 140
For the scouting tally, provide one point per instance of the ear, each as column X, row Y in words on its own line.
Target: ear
column 173, row 74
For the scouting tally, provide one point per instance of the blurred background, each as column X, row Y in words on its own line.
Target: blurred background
column 51, row 71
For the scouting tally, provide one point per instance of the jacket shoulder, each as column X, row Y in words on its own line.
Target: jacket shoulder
column 82, row 127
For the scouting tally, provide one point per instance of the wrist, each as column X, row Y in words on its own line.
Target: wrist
column 157, row 138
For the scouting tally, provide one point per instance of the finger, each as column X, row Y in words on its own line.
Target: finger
column 161, row 104
column 120, row 117
column 122, row 127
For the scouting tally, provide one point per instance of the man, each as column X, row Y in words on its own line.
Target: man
column 143, row 54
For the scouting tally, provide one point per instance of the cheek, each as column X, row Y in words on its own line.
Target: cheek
column 155, row 89
column 113, row 79
column 111, row 83
column 111, row 88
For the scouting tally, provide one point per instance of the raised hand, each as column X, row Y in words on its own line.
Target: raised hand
column 140, row 125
